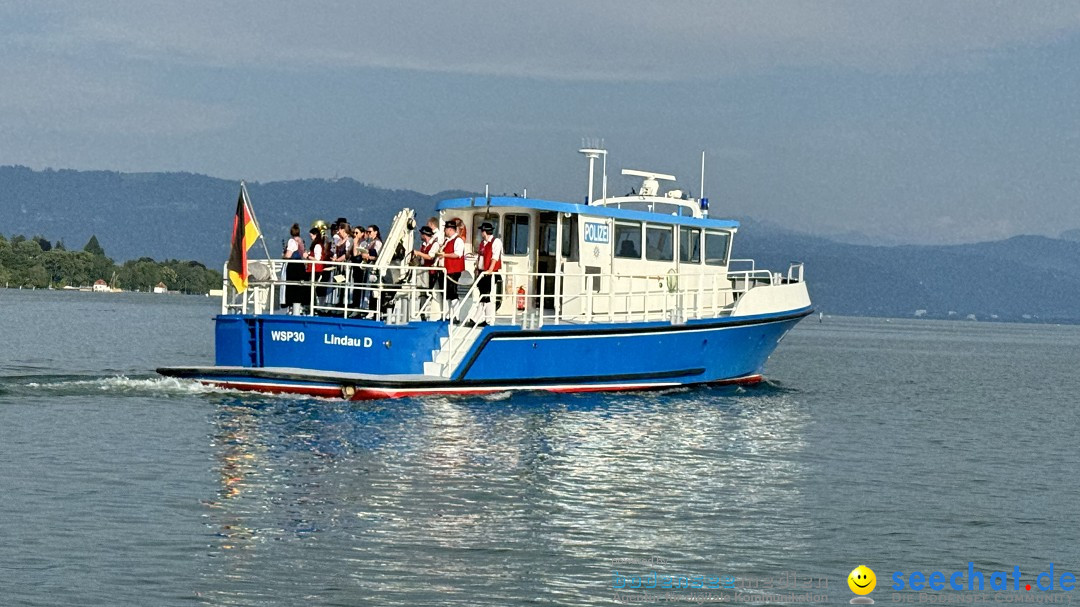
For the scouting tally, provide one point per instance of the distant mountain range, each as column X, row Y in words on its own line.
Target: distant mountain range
column 1020, row 278
column 187, row 216
column 182, row 215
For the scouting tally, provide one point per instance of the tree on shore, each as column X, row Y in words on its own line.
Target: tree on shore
column 93, row 247
column 35, row 262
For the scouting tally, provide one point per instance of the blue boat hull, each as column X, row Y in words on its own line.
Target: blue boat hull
column 359, row 359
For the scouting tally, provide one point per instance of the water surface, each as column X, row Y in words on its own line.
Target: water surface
column 902, row 445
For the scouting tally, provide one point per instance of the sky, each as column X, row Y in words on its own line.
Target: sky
column 901, row 122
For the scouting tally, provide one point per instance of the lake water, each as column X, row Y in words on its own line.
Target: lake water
column 902, row 445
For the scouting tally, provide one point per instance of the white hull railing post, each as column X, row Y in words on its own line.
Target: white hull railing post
column 643, row 314
column 588, row 298
column 346, row 290
column 701, row 297
column 541, row 294
column 513, row 308
column 609, row 294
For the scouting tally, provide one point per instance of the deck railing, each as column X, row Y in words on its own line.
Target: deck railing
column 400, row 295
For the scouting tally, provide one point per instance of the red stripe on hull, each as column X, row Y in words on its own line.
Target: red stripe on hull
column 377, row 393
column 380, row 393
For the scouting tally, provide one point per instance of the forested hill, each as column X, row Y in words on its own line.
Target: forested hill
column 182, row 215
column 186, row 216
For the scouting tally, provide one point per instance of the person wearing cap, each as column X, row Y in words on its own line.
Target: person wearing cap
column 488, row 264
column 428, row 251
column 453, row 257
column 428, row 258
column 436, row 233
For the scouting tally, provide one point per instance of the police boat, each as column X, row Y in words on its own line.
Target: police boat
column 614, row 293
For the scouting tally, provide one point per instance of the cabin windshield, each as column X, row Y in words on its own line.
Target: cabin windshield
column 716, row 247
column 689, row 245
column 659, row 243
column 628, row 239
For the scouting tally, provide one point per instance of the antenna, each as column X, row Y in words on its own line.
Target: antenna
column 593, row 148
column 648, row 175
column 701, row 192
column 603, row 191
column 650, row 186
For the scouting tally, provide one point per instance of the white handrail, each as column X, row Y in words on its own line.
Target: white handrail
column 452, row 345
column 621, row 297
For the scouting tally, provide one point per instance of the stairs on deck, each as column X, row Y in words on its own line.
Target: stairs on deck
column 441, row 364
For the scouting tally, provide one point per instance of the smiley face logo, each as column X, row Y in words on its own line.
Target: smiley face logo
column 862, row 580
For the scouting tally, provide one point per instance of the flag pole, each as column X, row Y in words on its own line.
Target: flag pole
column 247, row 202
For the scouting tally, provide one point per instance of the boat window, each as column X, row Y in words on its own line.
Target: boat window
column 689, row 245
column 547, row 237
column 569, row 237
column 515, row 234
column 659, row 243
column 716, row 247
column 628, row 239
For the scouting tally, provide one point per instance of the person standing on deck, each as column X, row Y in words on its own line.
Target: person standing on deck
column 488, row 264
column 431, row 280
column 293, row 292
column 359, row 248
column 436, row 233
column 370, row 255
column 453, row 256
column 341, row 253
column 316, row 255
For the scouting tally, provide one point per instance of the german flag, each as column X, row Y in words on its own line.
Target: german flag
column 244, row 233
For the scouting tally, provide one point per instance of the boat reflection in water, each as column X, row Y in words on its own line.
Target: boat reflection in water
column 492, row 496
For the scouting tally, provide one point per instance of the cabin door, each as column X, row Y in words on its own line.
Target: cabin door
column 547, row 242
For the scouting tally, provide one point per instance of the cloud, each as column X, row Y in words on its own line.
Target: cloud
column 634, row 40
column 56, row 97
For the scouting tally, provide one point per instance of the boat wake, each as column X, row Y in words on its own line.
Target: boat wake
column 118, row 385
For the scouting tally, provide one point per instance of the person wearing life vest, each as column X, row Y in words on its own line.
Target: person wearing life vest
column 488, row 264
column 427, row 253
column 431, row 280
column 315, row 256
column 453, row 257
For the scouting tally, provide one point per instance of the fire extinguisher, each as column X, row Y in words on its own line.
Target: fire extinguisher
column 521, row 298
